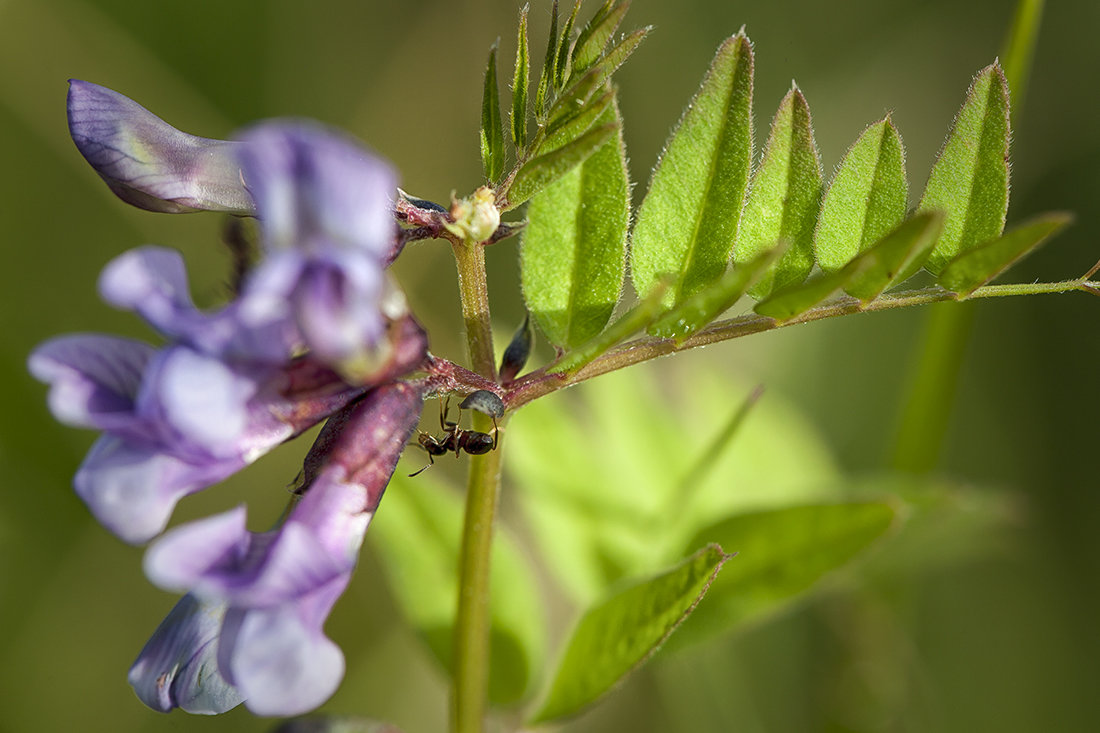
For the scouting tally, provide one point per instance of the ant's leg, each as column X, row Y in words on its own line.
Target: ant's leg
column 431, row 462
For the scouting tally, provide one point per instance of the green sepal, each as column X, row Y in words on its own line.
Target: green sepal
column 706, row 305
column 781, row 554
column 539, row 172
column 688, row 221
column 492, row 130
column 974, row 268
column 969, row 181
column 784, row 198
column 619, row 634
column 572, row 257
column 866, row 198
column 899, row 252
column 417, row 545
column 520, row 80
column 596, row 34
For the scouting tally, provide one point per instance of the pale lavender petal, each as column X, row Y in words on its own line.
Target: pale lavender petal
column 200, row 397
column 178, row 667
column 152, row 281
column 338, row 308
column 132, row 488
column 93, row 379
column 316, row 188
column 147, row 162
column 279, row 658
column 184, row 556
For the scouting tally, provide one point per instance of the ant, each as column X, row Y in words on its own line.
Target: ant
column 455, row 439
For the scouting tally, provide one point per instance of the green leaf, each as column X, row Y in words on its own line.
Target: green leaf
column 596, row 33
column 417, row 535
column 519, row 84
column 544, row 90
column 688, row 221
column 618, row 635
column 634, row 320
column 492, row 131
column 570, row 127
column 562, row 64
column 899, row 252
column 969, row 181
column 866, row 199
column 576, row 95
column 538, row 173
column 572, row 258
column 706, row 305
column 784, row 198
column 781, row 553
column 974, row 268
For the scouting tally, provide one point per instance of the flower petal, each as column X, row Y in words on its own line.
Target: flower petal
column 93, row 378
column 147, row 162
column 178, row 666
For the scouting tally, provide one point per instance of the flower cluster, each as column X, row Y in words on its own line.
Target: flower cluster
column 317, row 331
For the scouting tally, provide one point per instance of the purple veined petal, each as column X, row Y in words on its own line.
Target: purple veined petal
column 152, row 281
column 132, row 488
column 200, row 398
column 315, row 187
column 338, row 308
column 93, row 378
column 178, row 667
column 279, row 658
column 147, row 162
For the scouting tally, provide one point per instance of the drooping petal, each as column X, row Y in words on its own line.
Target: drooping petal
column 147, row 162
column 93, row 378
column 279, row 658
column 132, row 488
column 178, row 667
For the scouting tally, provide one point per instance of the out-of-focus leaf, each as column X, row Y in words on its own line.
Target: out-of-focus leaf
column 538, row 173
column 579, row 92
column 519, row 84
column 902, row 250
column 492, row 131
column 784, row 199
column 969, row 181
column 573, row 255
column 709, row 303
column 866, row 198
column 544, row 90
column 596, row 33
column 619, row 634
column 974, row 268
column 688, row 221
column 569, row 128
column 417, row 535
column 631, row 495
column 781, row 553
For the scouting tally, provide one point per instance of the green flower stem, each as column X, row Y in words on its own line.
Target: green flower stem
column 472, row 619
column 542, row 382
column 472, row 622
column 474, row 291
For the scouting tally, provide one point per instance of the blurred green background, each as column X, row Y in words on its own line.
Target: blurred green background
column 998, row 633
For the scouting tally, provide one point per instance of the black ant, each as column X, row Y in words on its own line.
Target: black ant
column 455, row 439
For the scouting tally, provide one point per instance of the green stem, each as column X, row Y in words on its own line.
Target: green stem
column 472, row 617
column 474, row 291
column 543, row 381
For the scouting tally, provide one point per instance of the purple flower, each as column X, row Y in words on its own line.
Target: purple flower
column 149, row 163
column 178, row 668
column 278, row 587
column 325, row 206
